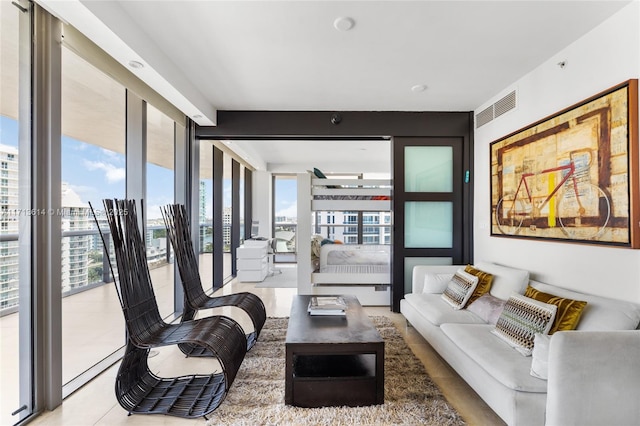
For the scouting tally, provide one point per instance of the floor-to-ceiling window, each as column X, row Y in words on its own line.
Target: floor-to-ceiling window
column 221, row 211
column 285, row 216
column 160, row 192
column 79, row 113
column 93, row 168
column 16, row 347
column 205, row 213
column 227, row 211
column 241, row 204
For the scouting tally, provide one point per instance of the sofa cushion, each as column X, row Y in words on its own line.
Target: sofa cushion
column 460, row 289
column 485, row 280
column 601, row 313
column 438, row 312
column 494, row 356
column 569, row 310
column 521, row 318
column 506, row 280
column 436, row 283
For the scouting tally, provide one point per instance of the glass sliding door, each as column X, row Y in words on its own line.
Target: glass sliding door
column 428, row 201
column 16, row 316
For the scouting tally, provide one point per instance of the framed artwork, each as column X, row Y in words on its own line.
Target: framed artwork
column 572, row 176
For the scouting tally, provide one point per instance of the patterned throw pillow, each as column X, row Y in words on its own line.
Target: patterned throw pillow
column 569, row 310
column 521, row 318
column 485, row 280
column 460, row 289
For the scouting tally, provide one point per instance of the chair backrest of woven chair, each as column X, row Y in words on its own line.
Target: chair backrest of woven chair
column 133, row 284
column 179, row 232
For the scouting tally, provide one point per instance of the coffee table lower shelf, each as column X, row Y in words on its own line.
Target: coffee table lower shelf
column 333, row 380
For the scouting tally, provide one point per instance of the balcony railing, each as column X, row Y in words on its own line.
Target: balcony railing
column 80, row 266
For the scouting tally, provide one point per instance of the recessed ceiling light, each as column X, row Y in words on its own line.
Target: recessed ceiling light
column 344, row 23
column 419, row 88
column 197, row 116
column 136, row 64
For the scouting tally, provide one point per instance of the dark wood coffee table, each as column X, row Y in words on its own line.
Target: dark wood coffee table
column 333, row 360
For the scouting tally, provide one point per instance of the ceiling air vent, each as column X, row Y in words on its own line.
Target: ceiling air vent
column 484, row 116
column 505, row 104
column 494, row 111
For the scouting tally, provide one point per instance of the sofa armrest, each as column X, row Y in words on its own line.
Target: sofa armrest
column 419, row 272
column 594, row 378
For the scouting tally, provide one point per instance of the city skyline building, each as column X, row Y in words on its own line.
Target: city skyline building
column 75, row 216
column 9, row 224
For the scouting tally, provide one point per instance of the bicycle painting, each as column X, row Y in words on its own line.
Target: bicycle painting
column 569, row 177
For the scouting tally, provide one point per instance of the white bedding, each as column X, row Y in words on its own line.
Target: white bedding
column 354, row 269
column 354, row 254
column 354, row 264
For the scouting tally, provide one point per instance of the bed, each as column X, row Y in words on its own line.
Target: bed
column 362, row 270
column 353, row 263
column 351, row 195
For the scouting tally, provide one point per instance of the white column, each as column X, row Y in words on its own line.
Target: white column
column 303, row 234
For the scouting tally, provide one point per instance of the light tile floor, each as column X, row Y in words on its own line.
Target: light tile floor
column 95, row 404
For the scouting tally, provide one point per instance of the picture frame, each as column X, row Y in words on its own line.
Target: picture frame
column 572, row 176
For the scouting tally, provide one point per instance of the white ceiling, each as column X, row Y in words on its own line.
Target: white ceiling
column 205, row 56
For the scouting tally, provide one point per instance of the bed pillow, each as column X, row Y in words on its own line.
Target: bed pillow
column 485, row 280
column 459, row 289
column 521, row 318
column 569, row 310
column 487, row 307
column 436, row 283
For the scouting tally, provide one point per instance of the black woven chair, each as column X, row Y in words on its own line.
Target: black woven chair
column 138, row 390
column 178, row 231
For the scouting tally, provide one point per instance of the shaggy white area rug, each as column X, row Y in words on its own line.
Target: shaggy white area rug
column 257, row 395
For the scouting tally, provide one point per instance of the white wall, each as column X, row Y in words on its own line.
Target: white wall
column 261, row 186
column 604, row 57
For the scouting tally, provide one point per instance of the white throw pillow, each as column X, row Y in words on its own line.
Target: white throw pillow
column 459, row 289
column 540, row 356
column 436, row 283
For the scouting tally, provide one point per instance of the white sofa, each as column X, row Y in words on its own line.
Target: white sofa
column 593, row 372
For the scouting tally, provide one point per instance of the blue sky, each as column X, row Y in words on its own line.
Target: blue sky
column 95, row 173
column 286, row 196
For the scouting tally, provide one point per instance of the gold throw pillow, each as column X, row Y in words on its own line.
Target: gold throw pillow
column 569, row 310
column 485, row 280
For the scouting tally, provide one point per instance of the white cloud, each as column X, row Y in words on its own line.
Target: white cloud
column 84, row 191
column 111, row 154
column 289, row 211
column 111, row 173
column 153, row 212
